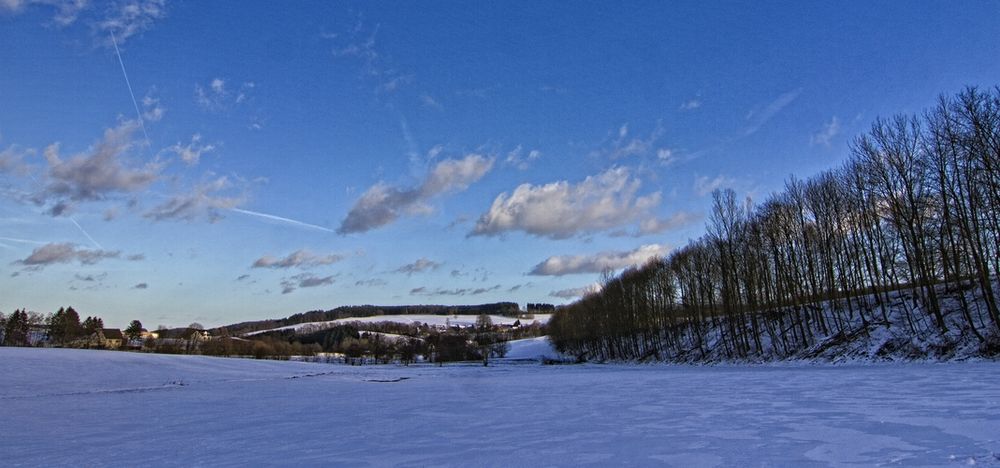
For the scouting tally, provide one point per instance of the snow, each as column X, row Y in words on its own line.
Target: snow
column 102, row 408
column 415, row 319
column 539, row 348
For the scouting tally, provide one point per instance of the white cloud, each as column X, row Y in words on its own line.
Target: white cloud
column 429, row 101
column 517, row 158
column 424, row 291
column 371, row 283
column 660, row 225
column 65, row 252
column 128, row 18
column 690, row 104
column 12, row 160
column 124, row 18
column 217, row 95
column 574, row 293
column 96, row 174
column 624, row 146
column 299, row 259
column 666, row 156
column 203, row 201
column 827, row 133
column 419, row 266
column 382, row 203
column 560, row 210
column 191, row 153
column 574, row 264
column 12, row 6
column 304, row 280
column 152, row 111
column 67, row 11
column 704, row 186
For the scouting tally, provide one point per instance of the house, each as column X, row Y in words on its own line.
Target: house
column 189, row 339
column 38, row 335
column 107, row 338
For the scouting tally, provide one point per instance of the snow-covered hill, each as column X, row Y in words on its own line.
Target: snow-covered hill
column 102, row 408
column 415, row 319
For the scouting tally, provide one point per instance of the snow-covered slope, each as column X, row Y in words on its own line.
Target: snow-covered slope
column 539, row 348
column 93, row 408
column 416, row 319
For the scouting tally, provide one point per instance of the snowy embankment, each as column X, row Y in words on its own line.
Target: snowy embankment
column 538, row 349
column 463, row 321
column 93, row 408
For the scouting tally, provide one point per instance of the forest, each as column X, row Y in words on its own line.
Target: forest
column 510, row 309
column 903, row 236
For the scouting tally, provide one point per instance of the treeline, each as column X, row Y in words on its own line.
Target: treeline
column 62, row 328
column 914, row 208
column 509, row 309
column 384, row 342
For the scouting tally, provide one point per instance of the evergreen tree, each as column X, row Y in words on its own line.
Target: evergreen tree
column 92, row 324
column 134, row 330
column 16, row 329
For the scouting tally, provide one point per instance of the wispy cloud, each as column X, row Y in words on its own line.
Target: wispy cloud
column 675, row 221
column 574, row 293
column 218, row 95
column 521, row 159
column 12, row 160
column 703, row 185
column 299, row 259
column 419, row 266
column 304, row 280
column 561, row 210
column 377, row 67
column 691, row 104
column 383, row 203
column 191, row 152
column 575, row 264
column 830, row 130
column 152, row 110
column 91, row 278
column 371, row 283
column 624, row 143
column 425, row 291
column 204, row 201
column 428, row 101
column 123, row 18
column 758, row 119
column 128, row 18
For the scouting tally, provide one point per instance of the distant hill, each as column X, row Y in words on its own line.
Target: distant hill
column 509, row 309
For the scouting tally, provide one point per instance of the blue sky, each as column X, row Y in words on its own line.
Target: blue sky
column 276, row 160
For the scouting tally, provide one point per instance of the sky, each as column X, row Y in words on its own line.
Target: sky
column 216, row 162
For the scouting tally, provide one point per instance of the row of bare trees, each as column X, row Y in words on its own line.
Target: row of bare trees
column 912, row 213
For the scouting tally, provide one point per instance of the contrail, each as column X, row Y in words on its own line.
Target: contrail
column 84, row 231
column 127, row 83
column 23, row 241
column 281, row 219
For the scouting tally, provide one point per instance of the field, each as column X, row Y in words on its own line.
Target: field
column 94, row 408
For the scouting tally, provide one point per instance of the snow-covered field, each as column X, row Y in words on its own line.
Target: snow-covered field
column 94, row 408
column 415, row 319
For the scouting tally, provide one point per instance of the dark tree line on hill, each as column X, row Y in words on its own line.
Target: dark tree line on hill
column 510, row 309
column 915, row 206
column 384, row 342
